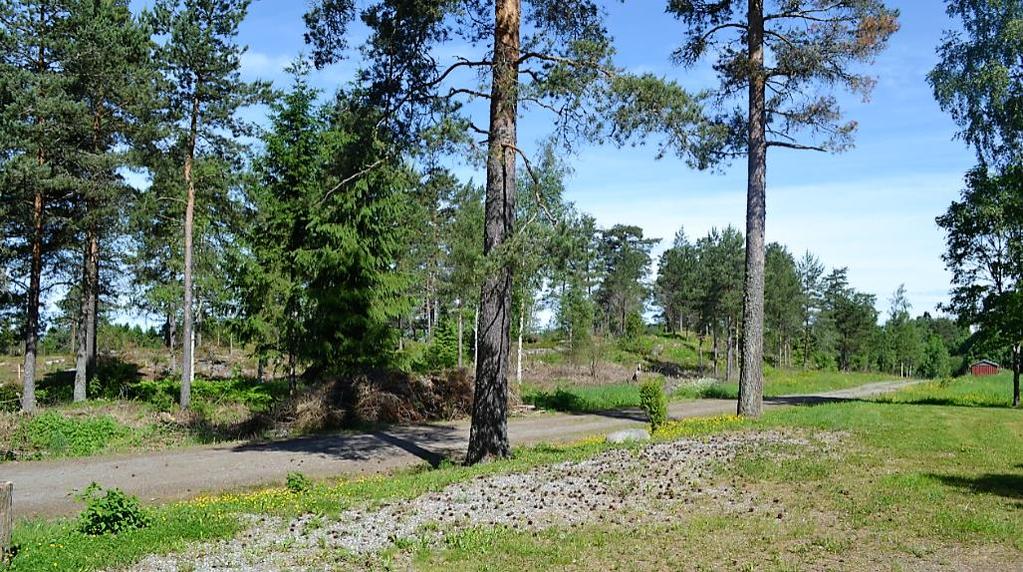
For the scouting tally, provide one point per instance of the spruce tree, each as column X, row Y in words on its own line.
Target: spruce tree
column 289, row 177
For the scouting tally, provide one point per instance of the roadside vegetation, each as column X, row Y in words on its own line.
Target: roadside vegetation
column 912, row 482
column 135, row 405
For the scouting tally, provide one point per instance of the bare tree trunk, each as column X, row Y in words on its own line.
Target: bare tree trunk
column 461, row 333
column 751, row 377
column 189, row 336
column 729, row 355
column 806, row 346
column 488, row 436
column 714, row 342
column 522, row 324
column 172, row 338
column 476, row 338
column 85, row 359
column 292, row 377
column 1015, row 374
column 28, row 374
column 699, row 352
column 429, row 315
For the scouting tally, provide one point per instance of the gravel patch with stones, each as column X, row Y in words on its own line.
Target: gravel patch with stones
column 620, row 486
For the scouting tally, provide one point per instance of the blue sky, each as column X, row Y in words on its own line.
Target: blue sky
column 871, row 209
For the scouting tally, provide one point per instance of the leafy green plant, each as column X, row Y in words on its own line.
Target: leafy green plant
column 654, row 401
column 109, row 511
column 54, row 433
column 10, row 399
column 298, row 483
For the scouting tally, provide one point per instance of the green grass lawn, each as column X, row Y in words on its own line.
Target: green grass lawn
column 777, row 382
column 914, row 486
column 583, row 399
column 993, row 391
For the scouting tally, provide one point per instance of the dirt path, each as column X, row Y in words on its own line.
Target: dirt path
column 45, row 488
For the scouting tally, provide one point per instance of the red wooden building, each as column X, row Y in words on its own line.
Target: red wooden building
column 984, row 367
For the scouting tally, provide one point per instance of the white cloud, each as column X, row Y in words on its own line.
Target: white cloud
column 258, row 65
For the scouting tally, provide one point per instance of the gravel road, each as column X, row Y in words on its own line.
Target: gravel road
column 46, row 488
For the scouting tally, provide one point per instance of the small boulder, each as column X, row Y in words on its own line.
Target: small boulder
column 629, row 436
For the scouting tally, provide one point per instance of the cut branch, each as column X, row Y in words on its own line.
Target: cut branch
column 536, row 183
column 350, row 178
column 798, row 146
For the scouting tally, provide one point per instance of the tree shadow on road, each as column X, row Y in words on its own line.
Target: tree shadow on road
column 432, row 443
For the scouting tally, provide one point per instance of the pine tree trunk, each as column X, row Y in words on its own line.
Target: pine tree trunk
column 82, row 351
column 28, row 373
column 292, row 377
column 189, row 336
column 714, row 343
column 699, row 352
column 172, row 339
column 806, row 346
column 729, row 355
column 751, row 376
column 488, row 436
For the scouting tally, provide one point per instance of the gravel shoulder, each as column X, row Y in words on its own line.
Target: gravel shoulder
column 46, row 488
column 618, row 487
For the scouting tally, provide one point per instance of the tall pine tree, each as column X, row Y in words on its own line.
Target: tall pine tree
column 203, row 92
column 40, row 154
column 780, row 53
column 108, row 65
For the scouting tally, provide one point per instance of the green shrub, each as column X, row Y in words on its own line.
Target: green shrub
column 251, row 393
column 442, row 353
column 10, row 399
column 654, row 401
column 298, row 483
column 109, row 511
column 636, row 344
column 634, row 325
column 54, row 433
column 584, row 399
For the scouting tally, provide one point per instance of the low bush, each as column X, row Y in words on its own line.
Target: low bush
column 584, row 399
column 10, row 399
column 654, row 401
column 53, row 433
column 109, row 511
column 257, row 396
column 298, row 483
column 637, row 344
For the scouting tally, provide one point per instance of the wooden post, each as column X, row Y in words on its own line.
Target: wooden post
column 6, row 518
